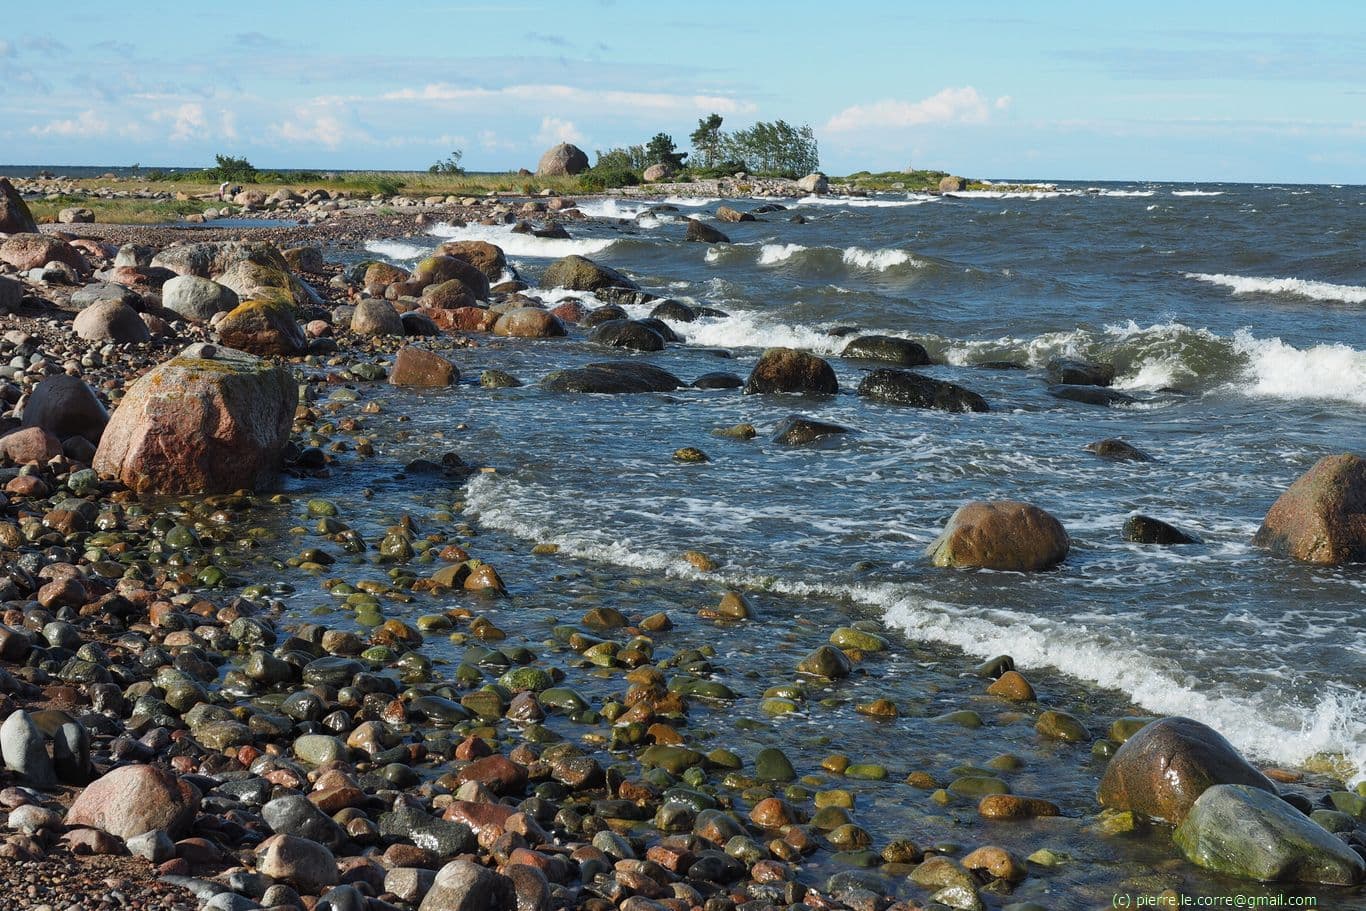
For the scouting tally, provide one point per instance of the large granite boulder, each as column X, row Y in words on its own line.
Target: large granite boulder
column 463, row 885
column 33, row 251
column 578, row 273
column 1321, row 518
column 421, row 368
column 561, row 160
column 815, row 182
column 134, row 799
column 443, row 268
column 376, row 317
column 111, row 321
column 1162, row 770
column 15, row 217
column 207, row 421
column 1246, row 831
column 1001, row 535
column 197, row 299
column 484, row 256
column 789, row 370
column 529, row 322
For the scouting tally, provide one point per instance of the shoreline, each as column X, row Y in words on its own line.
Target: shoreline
column 785, row 799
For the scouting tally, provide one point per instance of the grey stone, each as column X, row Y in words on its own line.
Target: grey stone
column 155, row 846
column 465, row 886
column 296, row 815
column 25, row 752
column 197, row 299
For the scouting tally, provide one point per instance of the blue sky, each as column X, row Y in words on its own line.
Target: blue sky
column 1157, row 90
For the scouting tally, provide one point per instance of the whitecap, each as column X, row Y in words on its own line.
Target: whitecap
column 514, row 244
column 1299, row 287
column 397, row 249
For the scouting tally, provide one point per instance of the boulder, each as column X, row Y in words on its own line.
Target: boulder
column 110, row 321
column 376, row 317
column 906, row 387
column 560, row 160
column 251, row 279
column 32, row 444
column 379, row 276
column 612, row 377
column 448, row 295
column 207, row 421
column 726, row 213
column 15, row 217
column 419, row 323
column 705, row 233
column 888, row 349
column 305, row 259
column 197, row 299
column 1068, row 371
column 1163, row 769
column 463, row 885
column 482, row 255
column 65, row 406
column 1142, row 529
column 657, row 172
column 263, row 328
column 670, row 309
column 578, row 273
column 1321, row 518
column 24, row 751
column 76, row 215
column 627, row 333
column 816, row 183
column 951, row 184
column 1116, row 450
column 422, row 368
column 11, row 295
column 718, row 379
column 1246, row 831
column 529, row 322
column 442, row 268
column 789, row 370
column 304, row 864
column 796, row 430
column 96, row 292
column 1001, row 535
column 134, row 799
column 33, row 251
column 1090, row 395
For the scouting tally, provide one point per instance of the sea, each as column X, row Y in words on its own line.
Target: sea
column 1234, row 316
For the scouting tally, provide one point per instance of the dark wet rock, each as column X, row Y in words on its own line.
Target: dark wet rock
column 1001, row 535
column 1160, row 771
column 1090, row 395
column 465, row 886
column 578, row 273
column 1142, row 529
column 1116, row 450
column 612, row 377
column 701, row 232
column 1074, row 372
column 498, row 379
column 1321, row 518
column 625, row 333
column 888, row 349
column 906, row 387
column 66, row 406
column 789, row 370
column 1250, row 832
column 796, row 430
column 602, row 315
column 671, row 309
column 205, row 421
column 418, row 323
column 662, row 328
column 718, row 380
column 440, row 836
column 296, row 815
column 1000, row 365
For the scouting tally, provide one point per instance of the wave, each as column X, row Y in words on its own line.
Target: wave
column 1122, row 193
column 868, row 202
column 1278, row 370
column 880, row 260
column 776, row 253
column 831, row 259
column 397, row 249
column 1013, row 194
column 1335, row 724
column 528, row 245
column 1197, row 192
column 1251, row 284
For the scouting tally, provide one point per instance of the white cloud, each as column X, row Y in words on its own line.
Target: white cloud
column 84, row 125
column 553, row 129
column 951, row 105
column 6, row 49
column 227, row 124
column 323, row 125
column 187, row 121
column 562, row 95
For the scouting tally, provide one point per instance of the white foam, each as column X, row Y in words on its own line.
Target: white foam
column 1122, row 193
column 752, row 329
column 397, row 249
column 691, row 201
column 1336, row 724
column 776, row 253
column 612, row 208
column 1013, row 194
column 1323, row 372
column 514, row 244
column 869, row 202
column 1197, row 192
column 1299, row 287
column 881, row 260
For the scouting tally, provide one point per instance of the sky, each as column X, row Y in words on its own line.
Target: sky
column 1244, row 91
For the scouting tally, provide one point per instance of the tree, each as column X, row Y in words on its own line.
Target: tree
column 706, row 140
column 230, row 168
column 661, row 150
column 449, row 165
column 777, row 149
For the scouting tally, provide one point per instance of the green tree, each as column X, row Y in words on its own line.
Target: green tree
column 774, row 149
column 661, row 150
column 230, row 168
column 706, row 140
column 450, row 165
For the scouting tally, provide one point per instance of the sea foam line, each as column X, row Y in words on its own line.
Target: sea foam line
column 514, row 244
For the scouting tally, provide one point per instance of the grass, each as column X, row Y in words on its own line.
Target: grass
column 895, row 180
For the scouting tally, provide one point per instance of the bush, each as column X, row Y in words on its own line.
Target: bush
column 450, row 165
column 600, row 177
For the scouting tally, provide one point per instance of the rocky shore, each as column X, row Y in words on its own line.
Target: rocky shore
column 174, row 735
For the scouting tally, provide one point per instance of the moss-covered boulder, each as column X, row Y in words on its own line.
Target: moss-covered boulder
column 1245, row 831
column 210, row 420
column 264, row 327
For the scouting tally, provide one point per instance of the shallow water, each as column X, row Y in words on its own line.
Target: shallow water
column 1232, row 312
